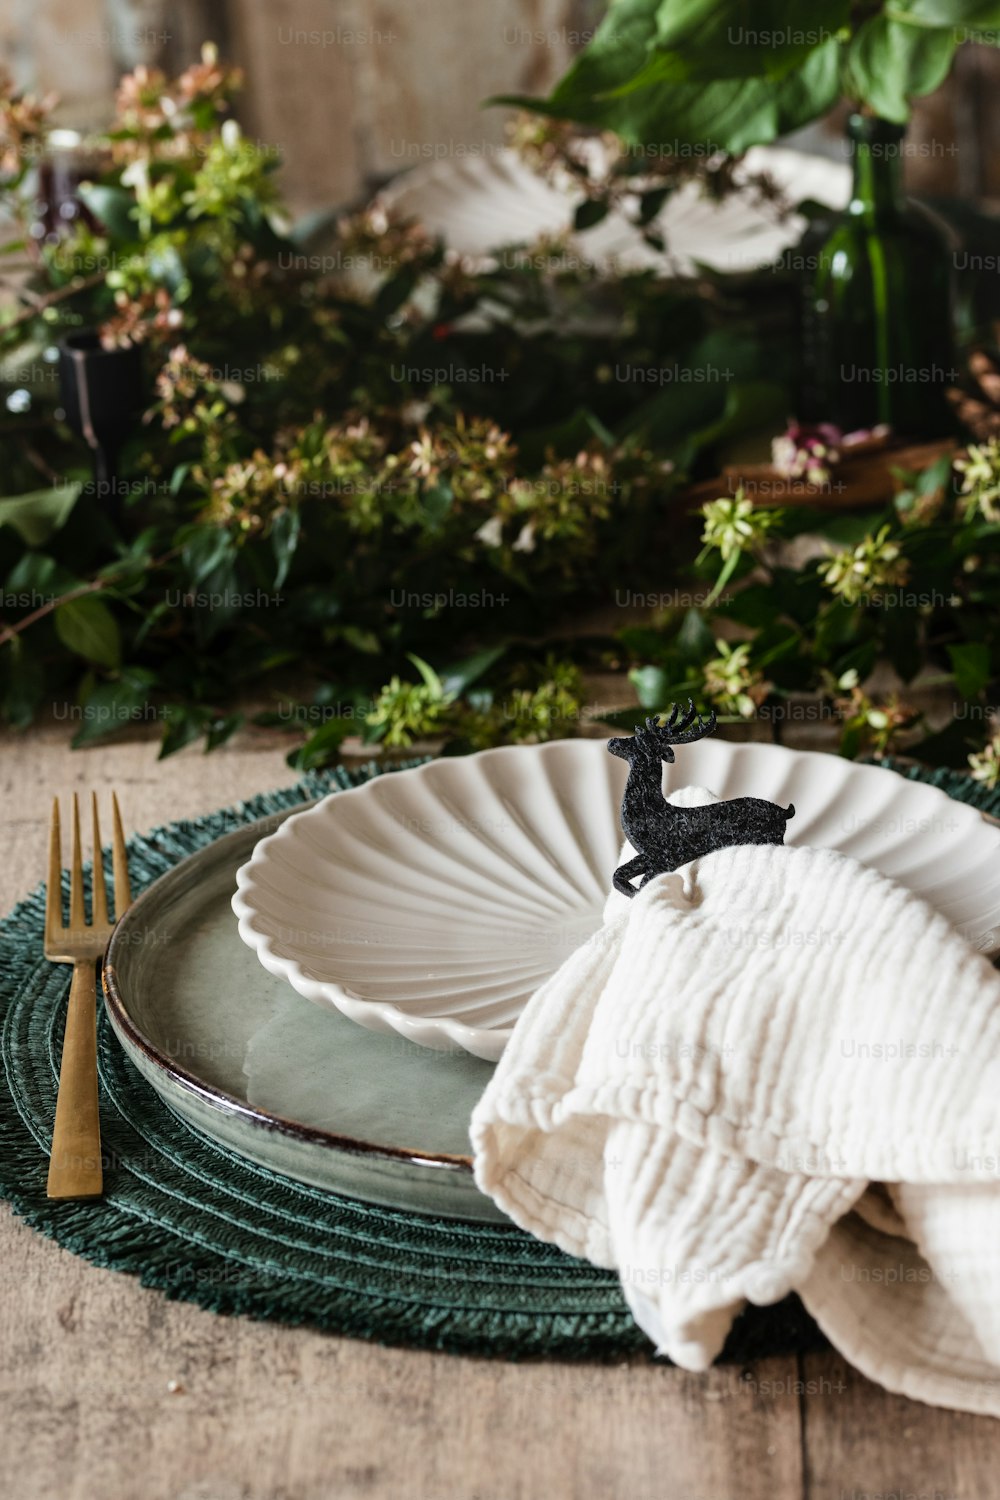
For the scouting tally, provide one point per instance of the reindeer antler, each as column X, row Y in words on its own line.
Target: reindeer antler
column 682, row 730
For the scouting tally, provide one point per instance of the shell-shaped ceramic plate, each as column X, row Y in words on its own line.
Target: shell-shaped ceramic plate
column 480, row 205
column 434, row 902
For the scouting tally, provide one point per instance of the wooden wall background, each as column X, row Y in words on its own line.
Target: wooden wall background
column 351, row 91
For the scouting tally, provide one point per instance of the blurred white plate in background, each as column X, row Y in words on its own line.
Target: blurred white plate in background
column 480, row 204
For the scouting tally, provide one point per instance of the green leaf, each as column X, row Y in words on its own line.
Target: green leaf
column 695, row 641
column 87, row 627
column 726, row 572
column 362, row 640
column 128, row 570
column 111, row 707
column 437, row 500
column 946, row 13
column 178, row 477
column 220, row 730
column 970, row 663
column 652, row 686
column 458, row 679
column 23, row 359
column 285, row 532
column 651, row 203
column 861, row 659
column 754, row 606
column 768, row 655
column 22, row 684
column 597, row 427
column 320, row 748
column 206, row 549
column 608, row 85
column 851, row 739
column 147, row 626
column 184, row 724
column 844, row 530
column 394, row 292
column 590, row 212
column 750, row 405
column 113, row 206
column 934, row 476
column 36, row 515
column 889, row 63
column 810, row 91
column 40, row 578
column 166, row 266
column 703, row 41
column 427, row 672
column 619, row 49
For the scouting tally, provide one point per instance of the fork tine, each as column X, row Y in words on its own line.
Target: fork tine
column 119, row 859
column 77, row 915
column 99, row 895
column 53, row 887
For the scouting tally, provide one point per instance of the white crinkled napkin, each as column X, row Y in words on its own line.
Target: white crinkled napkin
column 704, row 1091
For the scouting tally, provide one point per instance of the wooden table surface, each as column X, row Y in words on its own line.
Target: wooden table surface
column 111, row 1391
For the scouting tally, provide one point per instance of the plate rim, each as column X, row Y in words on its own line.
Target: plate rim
column 130, row 1034
column 383, row 1014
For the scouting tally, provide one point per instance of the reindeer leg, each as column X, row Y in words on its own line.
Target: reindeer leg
column 625, row 874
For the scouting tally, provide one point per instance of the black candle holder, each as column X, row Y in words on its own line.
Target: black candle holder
column 101, row 393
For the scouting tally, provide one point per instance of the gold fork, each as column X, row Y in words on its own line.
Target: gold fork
column 75, row 1164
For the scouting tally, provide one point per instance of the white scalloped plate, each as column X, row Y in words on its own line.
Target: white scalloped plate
column 480, row 205
column 434, row 902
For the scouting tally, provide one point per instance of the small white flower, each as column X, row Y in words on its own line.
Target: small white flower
column 136, row 175
column 414, row 412
column 491, row 532
column 231, row 135
column 525, row 538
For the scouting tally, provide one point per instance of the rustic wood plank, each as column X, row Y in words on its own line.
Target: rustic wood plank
column 304, row 92
column 447, row 57
column 859, row 1442
column 103, row 1381
column 162, row 34
column 358, row 93
column 64, row 47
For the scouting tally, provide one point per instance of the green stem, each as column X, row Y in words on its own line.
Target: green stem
column 94, row 586
column 728, row 569
column 50, row 299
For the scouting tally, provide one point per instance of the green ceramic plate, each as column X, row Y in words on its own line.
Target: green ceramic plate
column 300, row 1089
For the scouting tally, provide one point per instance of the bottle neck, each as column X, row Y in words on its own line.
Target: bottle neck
column 877, row 193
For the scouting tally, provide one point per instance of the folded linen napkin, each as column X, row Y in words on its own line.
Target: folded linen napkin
column 705, row 1089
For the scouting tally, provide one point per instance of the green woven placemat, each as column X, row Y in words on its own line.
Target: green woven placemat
column 199, row 1223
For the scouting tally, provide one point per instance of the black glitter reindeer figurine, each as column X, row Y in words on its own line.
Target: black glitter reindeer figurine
column 666, row 837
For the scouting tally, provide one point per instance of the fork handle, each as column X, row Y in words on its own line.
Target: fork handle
column 75, row 1164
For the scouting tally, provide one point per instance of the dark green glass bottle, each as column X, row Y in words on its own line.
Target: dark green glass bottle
column 878, row 340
